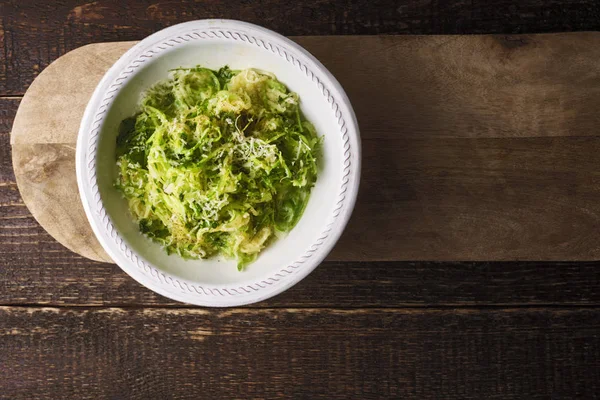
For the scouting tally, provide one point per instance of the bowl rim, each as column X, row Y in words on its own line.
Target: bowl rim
column 133, row 263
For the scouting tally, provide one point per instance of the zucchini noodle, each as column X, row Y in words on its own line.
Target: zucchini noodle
column 217, row 162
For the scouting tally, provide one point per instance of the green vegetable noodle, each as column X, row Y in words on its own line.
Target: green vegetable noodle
column 217, row 162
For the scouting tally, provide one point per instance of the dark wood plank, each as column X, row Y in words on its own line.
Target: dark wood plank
column 8, row 110
column 299, row 353
column 38, row 271
column 33, row 34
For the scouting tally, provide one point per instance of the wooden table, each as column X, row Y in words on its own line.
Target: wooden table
column 73, row 328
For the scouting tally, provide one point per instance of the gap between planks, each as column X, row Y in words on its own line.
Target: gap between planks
column 403, row 309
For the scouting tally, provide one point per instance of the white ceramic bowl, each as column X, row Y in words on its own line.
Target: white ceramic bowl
column 214, row 43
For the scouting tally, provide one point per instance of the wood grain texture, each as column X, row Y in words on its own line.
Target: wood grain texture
column 476, row 199
column 33, row 34
column 44, row 139
column 299, row 353
column 474, row 147
column 46, row 179
column 42, row 272
column 8, row 110
column 421, row 353
column 468, row 86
